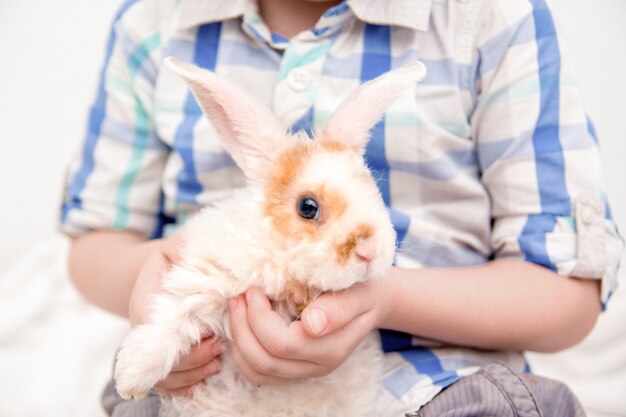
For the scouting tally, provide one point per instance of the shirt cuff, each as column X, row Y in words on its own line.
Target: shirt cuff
column 586, row 245
column 86, row 216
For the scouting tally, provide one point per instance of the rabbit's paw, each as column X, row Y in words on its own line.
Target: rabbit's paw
column 141, row 363
column 127, row 395
column 132, row 380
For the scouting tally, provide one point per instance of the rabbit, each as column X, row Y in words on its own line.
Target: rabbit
column 310, row 220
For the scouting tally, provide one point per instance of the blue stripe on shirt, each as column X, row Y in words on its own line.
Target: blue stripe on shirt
column 392, row 340
column 493, row 51
column 549, row 159
column 444, row 168
column 376, row 60
column 592, row 130
column 304, row 123
column 205, row 56
column 162, row 220
column 573, row 137
column 426, row 362
column 432, row 253
column 241, row 53
column 138, row 55
column 442, row 72
column 96, row 118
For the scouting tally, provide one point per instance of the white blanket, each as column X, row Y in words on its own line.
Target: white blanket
column 56, row 350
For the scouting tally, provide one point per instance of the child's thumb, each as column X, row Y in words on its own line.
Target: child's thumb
column 332, row 311
column 315, row 321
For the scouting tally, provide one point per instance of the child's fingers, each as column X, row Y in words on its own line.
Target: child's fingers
column 177, row 380
column 178, row 392
column 181, row 392
column 250, row 374
column 200, row 355
column 258, row 364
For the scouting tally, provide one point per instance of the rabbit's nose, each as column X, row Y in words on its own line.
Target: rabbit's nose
column 365, row 249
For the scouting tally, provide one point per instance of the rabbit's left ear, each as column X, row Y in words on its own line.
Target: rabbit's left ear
column 248, row 130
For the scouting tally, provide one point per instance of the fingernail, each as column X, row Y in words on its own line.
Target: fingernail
column 317, row 320
column 232, row 303
column 217, row 348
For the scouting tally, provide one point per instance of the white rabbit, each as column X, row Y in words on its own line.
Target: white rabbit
column 310, row 220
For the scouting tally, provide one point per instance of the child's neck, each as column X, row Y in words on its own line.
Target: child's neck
column 290, row 17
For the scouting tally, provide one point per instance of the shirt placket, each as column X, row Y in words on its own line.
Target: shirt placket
column 301, row 65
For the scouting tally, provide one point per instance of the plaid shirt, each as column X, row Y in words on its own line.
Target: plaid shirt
column 492, row 156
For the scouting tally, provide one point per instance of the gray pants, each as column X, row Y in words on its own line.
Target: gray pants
column 494, row 391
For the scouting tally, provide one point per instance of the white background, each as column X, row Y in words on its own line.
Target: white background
column 50, row 56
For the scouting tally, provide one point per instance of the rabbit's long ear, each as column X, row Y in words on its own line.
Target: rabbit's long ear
column 248, row 130
column 359, row 112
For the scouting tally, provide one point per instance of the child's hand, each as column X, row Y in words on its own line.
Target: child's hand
column 161, row 254
column 203, row 359
column 269, row 351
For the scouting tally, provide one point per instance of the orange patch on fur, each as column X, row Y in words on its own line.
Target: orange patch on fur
column 280, row 206
column 282, row 197
column 332, row 202
column 294, row 298
column 344, row 250
column 332, row 145
column 295, row 293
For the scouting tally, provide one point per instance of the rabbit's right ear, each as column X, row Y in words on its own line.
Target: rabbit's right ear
column 360, row 111
column 248, row 130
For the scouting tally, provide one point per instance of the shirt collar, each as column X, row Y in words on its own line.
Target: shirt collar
column 191, row 13
column 413, row 14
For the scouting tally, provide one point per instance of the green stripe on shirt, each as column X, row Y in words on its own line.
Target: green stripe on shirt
column 142, row 128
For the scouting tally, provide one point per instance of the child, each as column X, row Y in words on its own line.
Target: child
column 490, row 171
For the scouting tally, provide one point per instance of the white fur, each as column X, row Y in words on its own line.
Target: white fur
column 232, row 246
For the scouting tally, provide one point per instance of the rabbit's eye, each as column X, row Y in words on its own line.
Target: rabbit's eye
column 308, row 208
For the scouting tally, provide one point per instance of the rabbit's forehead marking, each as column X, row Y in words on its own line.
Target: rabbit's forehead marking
column 328, row 172
column 291, row 164
column 287, row 167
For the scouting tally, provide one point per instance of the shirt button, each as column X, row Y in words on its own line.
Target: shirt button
column 299, row 79
column 587, row 215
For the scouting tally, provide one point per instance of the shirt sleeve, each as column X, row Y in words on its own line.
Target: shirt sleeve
column 115, row 182
column 538, row 151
